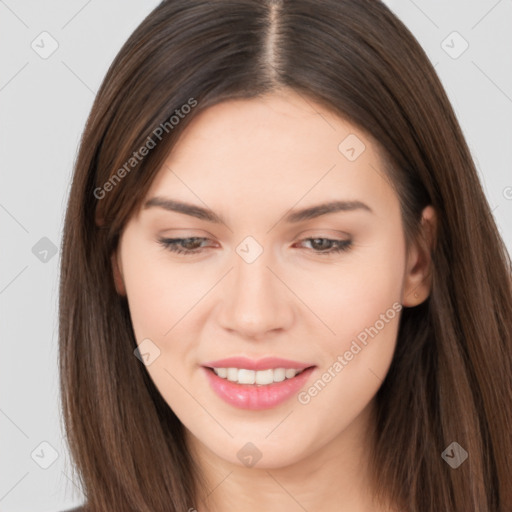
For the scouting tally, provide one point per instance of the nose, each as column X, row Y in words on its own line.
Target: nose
column 255, row 300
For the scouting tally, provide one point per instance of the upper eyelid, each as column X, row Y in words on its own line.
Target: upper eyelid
column 307, row 233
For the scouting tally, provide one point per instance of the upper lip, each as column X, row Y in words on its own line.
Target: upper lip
column 265, row 363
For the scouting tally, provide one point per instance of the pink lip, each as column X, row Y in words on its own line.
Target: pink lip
column 254, row 397
column 267, row 363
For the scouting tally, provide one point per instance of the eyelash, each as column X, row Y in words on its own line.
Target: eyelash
column 172, row 244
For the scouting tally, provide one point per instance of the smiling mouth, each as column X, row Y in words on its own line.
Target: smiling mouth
column 257, row 377
column 256, row 389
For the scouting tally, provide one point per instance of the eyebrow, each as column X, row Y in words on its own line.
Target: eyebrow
column 294, row 216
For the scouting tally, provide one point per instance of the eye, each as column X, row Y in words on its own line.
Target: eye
column 183, row 245
column 192, row 245
column 327, row 246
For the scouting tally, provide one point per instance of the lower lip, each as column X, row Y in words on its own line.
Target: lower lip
column 253, row 397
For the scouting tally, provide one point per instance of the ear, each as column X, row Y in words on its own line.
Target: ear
column 117, row 272
column 419, row 267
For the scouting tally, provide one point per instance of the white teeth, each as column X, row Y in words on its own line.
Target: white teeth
column 264, row 376
column 259, row 377
column 290, row 373
column 222, row 372
column 279, row 374
column 232, row 374
column 246, row 376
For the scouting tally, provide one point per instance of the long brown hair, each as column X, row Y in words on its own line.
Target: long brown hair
column 451, row 376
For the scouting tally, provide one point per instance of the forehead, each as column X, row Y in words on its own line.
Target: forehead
column 279, row 149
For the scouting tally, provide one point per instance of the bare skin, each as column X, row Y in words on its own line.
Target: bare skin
column 252, row 162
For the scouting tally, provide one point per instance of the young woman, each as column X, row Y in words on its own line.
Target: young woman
column 282, row 287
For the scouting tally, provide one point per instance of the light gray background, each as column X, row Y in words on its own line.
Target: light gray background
column 44, row 104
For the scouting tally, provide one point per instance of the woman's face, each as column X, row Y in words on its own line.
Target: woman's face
column 265, row 281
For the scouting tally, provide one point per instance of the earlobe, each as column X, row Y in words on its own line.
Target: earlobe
column 418, row 277
column 117, row 274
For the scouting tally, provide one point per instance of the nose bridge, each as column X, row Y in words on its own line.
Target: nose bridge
column 252, row 280
column 253, row 300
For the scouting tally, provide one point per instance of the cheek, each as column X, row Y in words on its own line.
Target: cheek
column 353, row 374
column 366, row 320
column 159, row 303
column 352, row 293
column 149, row 299
column 159, row 293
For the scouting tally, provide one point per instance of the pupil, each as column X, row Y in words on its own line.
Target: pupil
column 321, row 242
column 190, row 242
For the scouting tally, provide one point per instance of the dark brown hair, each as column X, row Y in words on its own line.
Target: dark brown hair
column 451, row 376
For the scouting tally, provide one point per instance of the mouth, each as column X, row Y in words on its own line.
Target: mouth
column 256, row 389
column 257, row 377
